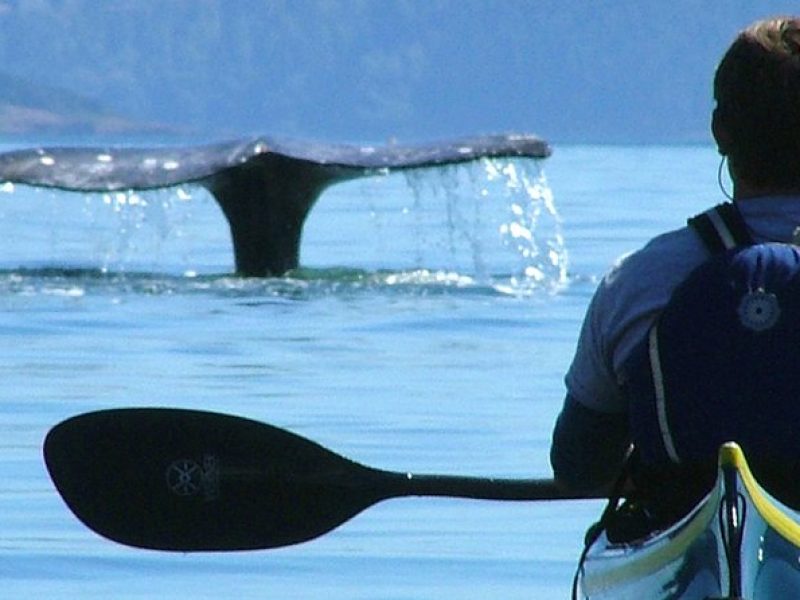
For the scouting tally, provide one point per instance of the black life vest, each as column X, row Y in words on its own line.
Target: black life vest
column 722, row 361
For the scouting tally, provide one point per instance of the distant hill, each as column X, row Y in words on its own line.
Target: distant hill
column 28, row 109
column 347, row 70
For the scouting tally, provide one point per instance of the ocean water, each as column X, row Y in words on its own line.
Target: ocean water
column 428, row 330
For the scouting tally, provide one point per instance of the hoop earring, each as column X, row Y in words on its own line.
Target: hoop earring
column 719, row 179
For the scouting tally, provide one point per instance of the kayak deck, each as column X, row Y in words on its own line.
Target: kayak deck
column 737, row 543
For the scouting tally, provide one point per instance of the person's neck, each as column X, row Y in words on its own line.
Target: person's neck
column 743, row 190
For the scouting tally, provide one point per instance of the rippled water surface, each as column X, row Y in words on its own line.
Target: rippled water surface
column 428, row 330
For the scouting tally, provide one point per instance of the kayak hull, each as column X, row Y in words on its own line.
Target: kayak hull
column 737, row 543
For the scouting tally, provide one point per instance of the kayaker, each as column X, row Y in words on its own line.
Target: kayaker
column 756, row 126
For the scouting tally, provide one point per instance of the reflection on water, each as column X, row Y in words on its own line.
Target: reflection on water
column 298, row 284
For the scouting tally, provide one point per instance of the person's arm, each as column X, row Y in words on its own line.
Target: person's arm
column 588, row 447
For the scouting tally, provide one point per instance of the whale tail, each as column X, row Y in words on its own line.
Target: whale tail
column 265, row 187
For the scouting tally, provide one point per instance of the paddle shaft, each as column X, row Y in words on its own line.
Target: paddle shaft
column 482, row 488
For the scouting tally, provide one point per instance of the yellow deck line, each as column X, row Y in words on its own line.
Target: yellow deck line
column 731, row 454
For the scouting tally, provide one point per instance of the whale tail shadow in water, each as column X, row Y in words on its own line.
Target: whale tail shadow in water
column 265, row 187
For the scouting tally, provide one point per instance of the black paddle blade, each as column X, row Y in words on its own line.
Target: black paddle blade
column 188, row 480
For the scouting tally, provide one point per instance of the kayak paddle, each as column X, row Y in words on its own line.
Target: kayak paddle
column 187, row 480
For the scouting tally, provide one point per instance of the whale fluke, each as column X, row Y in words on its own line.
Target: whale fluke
column 265, row 187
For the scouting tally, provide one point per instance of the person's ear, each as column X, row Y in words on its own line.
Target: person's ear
column 720, row 131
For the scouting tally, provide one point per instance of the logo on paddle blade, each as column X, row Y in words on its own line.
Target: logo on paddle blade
column 187, row 477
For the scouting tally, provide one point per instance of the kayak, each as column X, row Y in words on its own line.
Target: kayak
column 737, row 543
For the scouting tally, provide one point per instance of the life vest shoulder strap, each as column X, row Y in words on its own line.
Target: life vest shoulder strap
column 721, row 228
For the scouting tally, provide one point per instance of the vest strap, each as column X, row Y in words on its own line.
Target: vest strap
column 661, row 396
column 721, row 228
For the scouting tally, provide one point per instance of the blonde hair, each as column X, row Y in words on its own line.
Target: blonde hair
column 780, row 36
column 757, row 89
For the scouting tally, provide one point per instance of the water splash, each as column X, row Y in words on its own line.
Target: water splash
column 131, row 223
column 501, row 215
column 534, row 228
column 113, row 231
